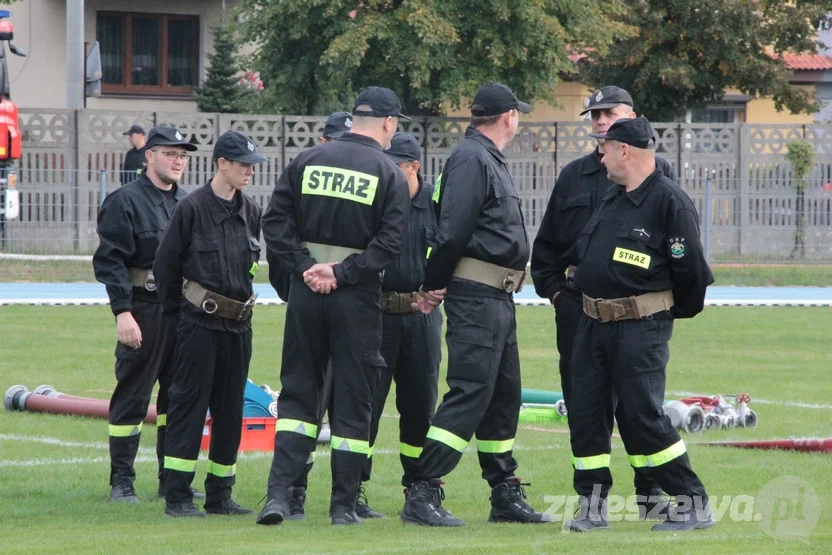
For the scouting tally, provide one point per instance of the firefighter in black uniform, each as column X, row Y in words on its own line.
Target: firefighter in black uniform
column 479, row 260
column 336, row 125
column 130, row 223
column 411, row 342
column 640, row 265
column 134, row 161
column 577, row 192
column 336, row 220
column 213, row 243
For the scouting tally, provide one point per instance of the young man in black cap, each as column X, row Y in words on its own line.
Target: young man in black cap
column 213, row 243
column 479, row 260
column 577, row 192
column 130, row 223
column 640, row 266
column 336, row 221
column 336, row 125
column 134, row 160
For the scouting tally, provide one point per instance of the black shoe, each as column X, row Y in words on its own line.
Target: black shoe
column 654, row 507
column 344, row 516
column 508, row 504
column 592, row 515
column 689, row 519
column 275, row 509
column 424, row 506
column 122, row 492
column 295, row 504
column 227, row 507
column 362, row 507
column 196, row 494
column 178, row 510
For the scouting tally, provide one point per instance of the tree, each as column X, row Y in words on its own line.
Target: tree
column 222, row 91
column 687, row 52
column 801, row 156
column 315, row 55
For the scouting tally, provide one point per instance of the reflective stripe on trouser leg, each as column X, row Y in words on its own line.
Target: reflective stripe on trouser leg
column 657, row 459
column 161, row 420
column 591, row 463
column 495, row 446
column 411, row 451
column 128, row 430
column 450, row 439
column 222, row 470
column 352, row 445
column 297, row 426
column 180, row 465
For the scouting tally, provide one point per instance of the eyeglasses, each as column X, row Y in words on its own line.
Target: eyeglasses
column 172, row 156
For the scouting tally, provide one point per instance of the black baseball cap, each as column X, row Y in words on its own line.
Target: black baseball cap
column 134, row 129
column 403, row 148
column 493, row 99
column 233, row 145
column 167, row 136
column 337, row 124
column 382, row 102
column 635, row 132
column 608, row 97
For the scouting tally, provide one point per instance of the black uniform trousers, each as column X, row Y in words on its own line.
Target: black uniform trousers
column 411, row 345
column 210, row 372
column 484, row 380
column 137, row 371
column 625, row 361
column 325, row 404
column 344, row 326
column 568, row 311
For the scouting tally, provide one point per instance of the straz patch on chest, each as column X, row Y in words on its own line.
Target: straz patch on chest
column 339, row 183
column 631, row 257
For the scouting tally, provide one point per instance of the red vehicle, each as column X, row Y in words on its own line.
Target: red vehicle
column 10, row 136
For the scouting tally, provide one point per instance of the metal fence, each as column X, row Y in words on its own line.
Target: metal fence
column 736, row 174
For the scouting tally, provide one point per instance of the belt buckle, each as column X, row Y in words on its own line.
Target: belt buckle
column 150, row 282
column 508, row 283
column 606, row 312
column 247, row 308
column 209, row 305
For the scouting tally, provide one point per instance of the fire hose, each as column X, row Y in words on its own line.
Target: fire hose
column 18, row 398
column 806, row 445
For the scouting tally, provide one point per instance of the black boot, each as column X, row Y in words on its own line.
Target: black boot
column 178, row 510
column 424, row 506
column 276, row 508
column 688, row 518
column 362, row 507
column 508, row 504
column 342, row 515
column 592, row 515
column 227, row 507
column 121, row 491
column 295, row 504
column 652, row 505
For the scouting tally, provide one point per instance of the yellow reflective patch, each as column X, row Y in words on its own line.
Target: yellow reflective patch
column 430, row 250
column 253, row 270
column 631, row 257
column 339, row 183
column 437, row 189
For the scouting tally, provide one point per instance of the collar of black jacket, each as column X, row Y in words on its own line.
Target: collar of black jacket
column 592, row 163
column 422, row 198
column 154, row 193
column 358, row 138
column 472, row 133
column 640, row 193
column 220, row 212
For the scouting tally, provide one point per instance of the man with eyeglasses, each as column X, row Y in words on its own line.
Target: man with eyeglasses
column 130, row 223
column 213, row 243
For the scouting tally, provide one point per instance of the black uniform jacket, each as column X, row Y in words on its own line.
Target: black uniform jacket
column 478, row 210
column 130, row 223
column 408, row 272
column 213, row 245
column 643, row 241
column 344, row 193
column 579, row 187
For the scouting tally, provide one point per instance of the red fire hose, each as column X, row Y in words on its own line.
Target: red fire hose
column 806, row 445
column 19, row 398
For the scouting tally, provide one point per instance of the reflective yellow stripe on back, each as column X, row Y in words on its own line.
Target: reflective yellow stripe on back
column 339, row 183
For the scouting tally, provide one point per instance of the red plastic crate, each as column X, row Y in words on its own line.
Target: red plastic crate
column 258, row 434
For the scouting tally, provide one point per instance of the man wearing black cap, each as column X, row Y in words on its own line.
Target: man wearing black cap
column 640, row 266
column 336, row 125
column 479, row 260
column 134, row 160
column 577, row 192
column 336, row 221
column 213, row 243
column 130, row 223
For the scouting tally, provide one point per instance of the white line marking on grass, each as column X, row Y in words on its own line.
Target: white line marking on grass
column 757, row 401
column 63, row 443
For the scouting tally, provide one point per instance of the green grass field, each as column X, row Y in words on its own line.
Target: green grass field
column 54, row 469
column 67, row 271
